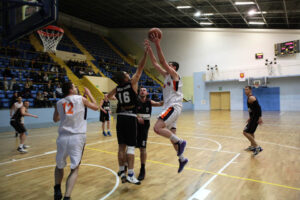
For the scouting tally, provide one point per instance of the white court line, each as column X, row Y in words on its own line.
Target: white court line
column 199, row 148
column 201, row 193
column 219, row 145
column 92, row 165
column 11, row 135
column 239, row 138
column 49, row 152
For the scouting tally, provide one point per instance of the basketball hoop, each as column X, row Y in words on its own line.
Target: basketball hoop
column 256, row 83
column 50, row 36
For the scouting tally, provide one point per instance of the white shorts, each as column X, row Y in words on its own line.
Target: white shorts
column 69, row 145
column 170, row 116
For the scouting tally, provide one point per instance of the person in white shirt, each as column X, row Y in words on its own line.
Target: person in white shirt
column 172, row 95
column 70, row 111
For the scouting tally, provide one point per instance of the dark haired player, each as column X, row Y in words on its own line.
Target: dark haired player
column 172, row 94
column 126, row 94
column 144, row 110
column 254, row 110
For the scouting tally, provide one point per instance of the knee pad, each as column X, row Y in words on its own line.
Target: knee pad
column 130, row 150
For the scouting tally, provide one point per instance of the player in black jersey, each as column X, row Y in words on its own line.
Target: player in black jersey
column 17, row 121
column 126, row 94
column 254, row 110
column 105, row 115
column 144, row 109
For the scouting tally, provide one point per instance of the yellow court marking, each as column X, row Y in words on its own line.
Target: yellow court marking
column 208, row 172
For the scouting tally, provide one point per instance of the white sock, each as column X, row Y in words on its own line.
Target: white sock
column 21, row 145
column 174, row 138
column 122, row 168
column 181, row 158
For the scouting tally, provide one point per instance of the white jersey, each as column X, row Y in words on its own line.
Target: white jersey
column 172, row 92
column 17, row 105
column 71, row 111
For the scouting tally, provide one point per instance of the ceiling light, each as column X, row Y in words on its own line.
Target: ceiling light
column 197, row 14
column 183, row 7
column 208, row 14
column 251, row 12
column 244, row 3
column 254, row 12
column 205, row 23
column 257, row 23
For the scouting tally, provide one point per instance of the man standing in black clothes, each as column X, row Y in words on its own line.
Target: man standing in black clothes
column 254, row 110
column 17, row 121
column 105, row 115
column 126, row 94
column 144, row 109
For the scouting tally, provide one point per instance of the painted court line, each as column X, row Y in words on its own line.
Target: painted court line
column 199, row 148
column 92, row 165
column 219, row 145
column 208, row 172
column 49, row 152
column 240, row 138
column 202, row 192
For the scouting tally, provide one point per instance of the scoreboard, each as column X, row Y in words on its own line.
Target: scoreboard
column 287, row 48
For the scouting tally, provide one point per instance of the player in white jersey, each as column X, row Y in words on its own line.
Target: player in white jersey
column 172, row 93
column 70, row 111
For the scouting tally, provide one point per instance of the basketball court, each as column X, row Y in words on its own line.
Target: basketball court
column 219, row 167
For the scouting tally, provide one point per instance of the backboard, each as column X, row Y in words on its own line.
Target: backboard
column 22, row 17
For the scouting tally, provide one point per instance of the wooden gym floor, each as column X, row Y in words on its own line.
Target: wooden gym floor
column 219, row 168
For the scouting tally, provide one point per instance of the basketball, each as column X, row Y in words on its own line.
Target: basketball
column 154, row 30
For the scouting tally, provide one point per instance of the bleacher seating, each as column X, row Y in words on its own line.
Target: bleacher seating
column 109, row 61
column 26, row 71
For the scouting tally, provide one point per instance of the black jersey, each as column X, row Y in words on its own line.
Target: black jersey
column 254, row 109
column 17, row 116
column 106, row 105
column 127, row 99
column 144, row 109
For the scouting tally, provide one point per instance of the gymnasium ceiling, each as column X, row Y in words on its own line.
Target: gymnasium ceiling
column 283, row 14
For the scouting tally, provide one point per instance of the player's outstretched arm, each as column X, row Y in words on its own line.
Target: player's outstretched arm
column 24, row 113
column 162, row 59
column 157, row 103
column 136, row 77
column 153, row 59
column 92, row 105
column 56, row 117
column 111, row 94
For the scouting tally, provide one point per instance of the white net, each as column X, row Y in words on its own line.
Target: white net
column 50, row 38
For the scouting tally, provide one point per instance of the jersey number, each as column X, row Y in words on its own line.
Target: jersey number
column 68, row 108
column 126, row 97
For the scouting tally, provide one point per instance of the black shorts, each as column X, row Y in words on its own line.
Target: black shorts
column 19, row 127
column 104, row 117
column 142, row 134
column 251, row 126
column 126, row 130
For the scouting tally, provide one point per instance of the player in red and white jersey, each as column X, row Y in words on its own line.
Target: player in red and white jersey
column 172, row 94
column 70, row 111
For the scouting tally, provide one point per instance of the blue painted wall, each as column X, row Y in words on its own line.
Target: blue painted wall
column 289, row 93
column 268, row 98
column 46, row 114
